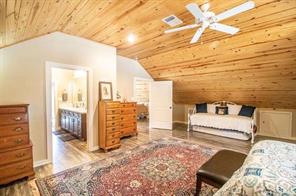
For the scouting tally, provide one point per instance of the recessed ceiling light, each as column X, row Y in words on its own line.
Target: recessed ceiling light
column 131, row 38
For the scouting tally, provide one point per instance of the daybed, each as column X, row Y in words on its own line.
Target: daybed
column 230, row 125
column 269, row 169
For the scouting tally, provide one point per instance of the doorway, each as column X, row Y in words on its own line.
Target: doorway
column 68, row 107
column 141, row 96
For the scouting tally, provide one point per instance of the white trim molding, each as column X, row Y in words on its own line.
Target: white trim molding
column 90, row 105
column 94, row 148
column 41, row 162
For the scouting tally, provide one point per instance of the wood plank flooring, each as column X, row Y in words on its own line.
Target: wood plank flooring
column 74, row 152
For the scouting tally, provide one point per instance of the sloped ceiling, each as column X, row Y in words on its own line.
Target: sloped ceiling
column 256, row 66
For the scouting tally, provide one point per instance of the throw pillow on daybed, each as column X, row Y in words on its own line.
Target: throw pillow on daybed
column 221, row 110
column 201, row 108
column 234, row 109
column 247, row 111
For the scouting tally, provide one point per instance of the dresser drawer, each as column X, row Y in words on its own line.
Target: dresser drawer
column 15, row 156
column 112, row 123
column 15, row 169
column 128, row 117
column 112, row 142
column 112, row 111
column 115, row 117
column 7, row 119
column 125, row 124
column 128, row 130
column 113, row 129
column 128, row 111
column 112, row 105
column 13, row 141
column 13, row 109
column 115, row 135
column 128, row 105
column 10, row 130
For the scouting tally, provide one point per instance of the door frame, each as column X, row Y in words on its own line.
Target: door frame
column 48, row 74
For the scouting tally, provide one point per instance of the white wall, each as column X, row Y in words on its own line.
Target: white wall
column 22, row 76
column 127, row 70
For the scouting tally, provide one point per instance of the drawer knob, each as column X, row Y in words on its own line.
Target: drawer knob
column 18, row 118
column 113, row 135
column 113, row 111
column 113, row 117
column 113, row 123
column 20, row 155
column 113, row 129
column 18, row 129
column 18, row 141
column 121, row 118
column 113, row 141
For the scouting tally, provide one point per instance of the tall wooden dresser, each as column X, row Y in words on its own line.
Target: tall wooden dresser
column 116, row 120
column 128, row 119
column 16, row 160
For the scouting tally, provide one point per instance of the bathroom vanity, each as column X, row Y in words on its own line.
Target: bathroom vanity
column 73, row 120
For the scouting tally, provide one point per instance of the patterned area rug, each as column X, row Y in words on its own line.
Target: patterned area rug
column 162, row 167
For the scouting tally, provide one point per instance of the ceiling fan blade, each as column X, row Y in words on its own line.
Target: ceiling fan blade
column 236, row 10
column 224, row 28
column 181, row 28
column 195, row 11
column 198, row 34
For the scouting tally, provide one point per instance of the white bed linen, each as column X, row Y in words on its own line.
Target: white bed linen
column 232, row 122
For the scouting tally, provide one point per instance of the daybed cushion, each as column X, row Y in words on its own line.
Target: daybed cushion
column 246, row 111
column 201, row 108
column 232, row 122
column 269, row 169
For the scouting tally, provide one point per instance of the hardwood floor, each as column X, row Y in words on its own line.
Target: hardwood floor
column 74, row 152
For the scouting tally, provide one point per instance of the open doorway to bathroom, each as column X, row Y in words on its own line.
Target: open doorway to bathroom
column 69, row 105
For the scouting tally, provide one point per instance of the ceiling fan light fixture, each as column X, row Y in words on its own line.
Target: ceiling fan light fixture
column 210, row 19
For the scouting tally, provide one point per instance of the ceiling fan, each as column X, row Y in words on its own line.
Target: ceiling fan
column 206, row 18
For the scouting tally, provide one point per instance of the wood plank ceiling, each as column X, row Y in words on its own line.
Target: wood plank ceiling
column 256, row 66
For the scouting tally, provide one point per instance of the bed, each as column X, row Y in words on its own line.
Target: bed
column 269, row 169
column 231, row 125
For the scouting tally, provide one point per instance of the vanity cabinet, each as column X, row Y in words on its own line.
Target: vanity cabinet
column 73, row 122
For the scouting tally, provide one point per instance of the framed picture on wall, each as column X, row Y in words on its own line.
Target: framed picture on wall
column 105, row 91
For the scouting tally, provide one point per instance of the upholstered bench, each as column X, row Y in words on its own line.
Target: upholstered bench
column 218, row 170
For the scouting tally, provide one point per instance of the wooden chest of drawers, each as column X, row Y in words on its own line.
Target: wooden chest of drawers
column 109, row 125
column 16, row 159
column 116, row 120
column 128, row 119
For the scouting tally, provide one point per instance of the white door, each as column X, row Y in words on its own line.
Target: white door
column 161, row 105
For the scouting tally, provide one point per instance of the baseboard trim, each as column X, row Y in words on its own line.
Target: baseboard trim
column 181, row 122
column 41, row 162
column 94, row 148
